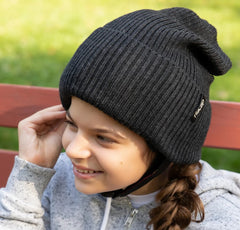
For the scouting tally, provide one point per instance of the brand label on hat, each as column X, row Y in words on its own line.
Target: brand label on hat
column 199, row 109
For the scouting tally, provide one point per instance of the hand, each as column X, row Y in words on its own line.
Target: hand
column 40, row 136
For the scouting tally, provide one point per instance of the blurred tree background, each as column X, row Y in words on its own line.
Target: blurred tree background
column 37, row 38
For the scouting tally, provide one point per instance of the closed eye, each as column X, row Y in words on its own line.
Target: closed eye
column 105, row 139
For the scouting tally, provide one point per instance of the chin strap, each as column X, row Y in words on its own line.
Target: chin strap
column 154, row 170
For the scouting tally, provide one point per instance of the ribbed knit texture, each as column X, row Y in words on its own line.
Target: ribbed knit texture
column 149, row 70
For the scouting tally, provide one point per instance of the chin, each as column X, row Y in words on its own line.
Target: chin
column 88, row 190
column 91, row 191
column 85, row 190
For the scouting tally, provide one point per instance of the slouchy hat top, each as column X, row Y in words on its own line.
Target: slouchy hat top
column 151, row 71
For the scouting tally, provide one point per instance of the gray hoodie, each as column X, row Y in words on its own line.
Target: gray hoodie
column 41, row 198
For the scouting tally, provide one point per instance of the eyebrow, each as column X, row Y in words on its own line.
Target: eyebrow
column 100, row 130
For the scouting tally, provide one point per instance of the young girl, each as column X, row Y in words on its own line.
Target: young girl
column 135, row 114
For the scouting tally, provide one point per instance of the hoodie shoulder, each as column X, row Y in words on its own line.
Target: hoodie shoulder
column 219, row 191
column 215, row 182
column 222, row 212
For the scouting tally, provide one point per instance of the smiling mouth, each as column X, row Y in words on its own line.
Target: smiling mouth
column 87, row 171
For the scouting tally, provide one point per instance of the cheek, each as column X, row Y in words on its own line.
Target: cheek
column 134, row 165
column 125, row 165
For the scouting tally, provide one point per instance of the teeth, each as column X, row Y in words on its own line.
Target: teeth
column 85, row 171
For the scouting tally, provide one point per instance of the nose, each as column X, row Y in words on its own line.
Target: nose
column 78, row 147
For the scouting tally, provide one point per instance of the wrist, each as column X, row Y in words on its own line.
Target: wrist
column 28, row 179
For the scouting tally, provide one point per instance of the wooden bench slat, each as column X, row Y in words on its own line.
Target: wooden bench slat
column 6, row 164
column 18, row 102
column 224, row 131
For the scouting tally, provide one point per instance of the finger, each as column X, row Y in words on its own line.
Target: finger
column 46, row 115
column 52, row 109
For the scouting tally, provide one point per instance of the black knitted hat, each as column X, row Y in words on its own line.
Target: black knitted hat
column 151, row 71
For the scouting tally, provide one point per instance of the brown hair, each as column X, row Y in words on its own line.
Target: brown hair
column 178, row 200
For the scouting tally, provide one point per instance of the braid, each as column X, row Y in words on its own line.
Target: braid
column 178, row 200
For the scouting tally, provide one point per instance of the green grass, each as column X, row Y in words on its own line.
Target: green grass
column 38, row 38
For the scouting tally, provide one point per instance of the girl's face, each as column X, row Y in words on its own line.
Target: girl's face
column 105, row 154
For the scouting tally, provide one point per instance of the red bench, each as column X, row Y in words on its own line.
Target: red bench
column 18, row 102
